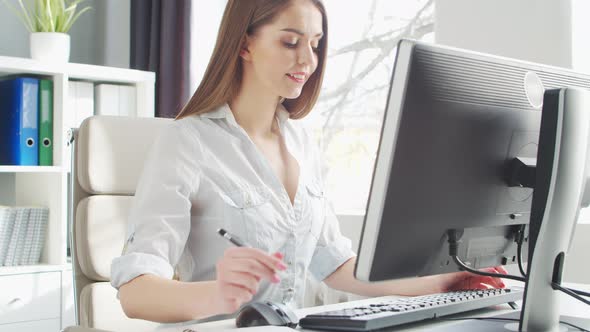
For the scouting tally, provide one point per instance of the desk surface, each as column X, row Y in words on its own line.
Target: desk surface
column 230, row 323
column 569, row 307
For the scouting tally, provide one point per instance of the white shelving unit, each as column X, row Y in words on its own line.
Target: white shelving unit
column 48, row 185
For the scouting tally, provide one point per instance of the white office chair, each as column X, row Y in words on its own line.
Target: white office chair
column 108, row 156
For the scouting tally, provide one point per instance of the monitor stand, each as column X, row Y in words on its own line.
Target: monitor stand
column 506, row 326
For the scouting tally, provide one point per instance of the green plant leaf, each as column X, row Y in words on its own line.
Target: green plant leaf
column 37, row 12
column 48, row 15
column 26, row 15
column 39, row 15
column 42, row 25
column 75, row 18
column 67, row 16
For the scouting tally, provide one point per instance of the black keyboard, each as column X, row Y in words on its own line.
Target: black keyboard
column 394, row 312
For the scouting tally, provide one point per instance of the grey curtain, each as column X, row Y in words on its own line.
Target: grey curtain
column 160, row 42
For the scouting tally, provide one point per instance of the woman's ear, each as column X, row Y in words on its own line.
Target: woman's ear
column 245, row 54
column 244, row 51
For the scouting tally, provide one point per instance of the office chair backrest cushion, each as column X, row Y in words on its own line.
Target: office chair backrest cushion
column 100, row 233
column 111, row 151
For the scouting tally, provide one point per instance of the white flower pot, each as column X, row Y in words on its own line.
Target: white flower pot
column 50, row 46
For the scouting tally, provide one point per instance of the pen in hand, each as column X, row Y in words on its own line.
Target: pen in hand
column 240, row 243
column 232, row 238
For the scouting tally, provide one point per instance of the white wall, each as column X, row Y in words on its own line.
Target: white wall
column 580, row 39
column 83, row 36
column 14, row 37
column 113, row 32
column 531, row 30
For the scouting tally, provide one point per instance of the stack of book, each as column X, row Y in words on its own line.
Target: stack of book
column 114, row 99
column 22, row 234
column 86, row 99
column 26, row 121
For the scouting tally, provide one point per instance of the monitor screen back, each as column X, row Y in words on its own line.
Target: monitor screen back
column 463, row 118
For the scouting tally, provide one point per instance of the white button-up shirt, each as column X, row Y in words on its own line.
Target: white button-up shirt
column 205, row 173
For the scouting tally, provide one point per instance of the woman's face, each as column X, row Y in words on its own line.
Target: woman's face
column 283, row 54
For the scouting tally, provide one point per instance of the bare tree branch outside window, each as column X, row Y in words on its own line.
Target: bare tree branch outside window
column 347, row 119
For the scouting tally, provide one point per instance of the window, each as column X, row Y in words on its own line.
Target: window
column 347, row 119
column 205, row 19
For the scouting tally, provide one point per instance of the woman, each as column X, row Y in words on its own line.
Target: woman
column 235, row 159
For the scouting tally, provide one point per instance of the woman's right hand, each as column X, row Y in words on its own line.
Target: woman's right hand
column 239, row 273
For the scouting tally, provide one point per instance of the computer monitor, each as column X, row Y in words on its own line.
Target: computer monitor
column 458, row 151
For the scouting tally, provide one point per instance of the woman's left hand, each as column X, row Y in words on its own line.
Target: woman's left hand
column 465, row 280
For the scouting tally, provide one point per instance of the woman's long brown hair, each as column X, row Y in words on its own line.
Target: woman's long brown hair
column 223, row 76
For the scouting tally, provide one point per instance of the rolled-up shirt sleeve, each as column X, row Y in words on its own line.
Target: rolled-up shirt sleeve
column 333, row 248
column 159, row 220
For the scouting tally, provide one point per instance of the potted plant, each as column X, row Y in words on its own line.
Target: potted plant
column 48, row 21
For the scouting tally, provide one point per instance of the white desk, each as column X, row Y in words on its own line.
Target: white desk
column 569, row 307
column 230, row 323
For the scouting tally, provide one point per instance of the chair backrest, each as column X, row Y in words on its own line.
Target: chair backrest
column 108, row 157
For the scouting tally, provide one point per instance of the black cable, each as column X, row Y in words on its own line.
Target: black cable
column 519, row 241
column 508, row 320
column 579, row 292
column 519, row 253
column 486, row 274
column 569, row 292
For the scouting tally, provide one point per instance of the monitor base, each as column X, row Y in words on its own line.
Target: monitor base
column 499, row 325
